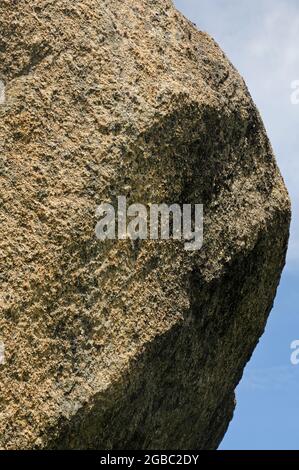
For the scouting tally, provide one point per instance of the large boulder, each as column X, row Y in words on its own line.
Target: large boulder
column 121, row 345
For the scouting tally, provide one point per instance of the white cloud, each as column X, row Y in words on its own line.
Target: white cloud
column 271, row 378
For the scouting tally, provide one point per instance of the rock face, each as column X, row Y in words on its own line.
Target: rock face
column 114, row 345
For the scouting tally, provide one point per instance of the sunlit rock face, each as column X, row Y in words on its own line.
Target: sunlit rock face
column 114, row 344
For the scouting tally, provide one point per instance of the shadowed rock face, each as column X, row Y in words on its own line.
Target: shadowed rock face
column 112, row 345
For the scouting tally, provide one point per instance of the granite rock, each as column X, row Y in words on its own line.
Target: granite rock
column 114, row 345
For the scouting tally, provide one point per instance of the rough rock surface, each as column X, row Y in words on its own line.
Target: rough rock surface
column 108, row 344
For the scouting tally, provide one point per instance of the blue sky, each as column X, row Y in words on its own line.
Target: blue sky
column 261, row 38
